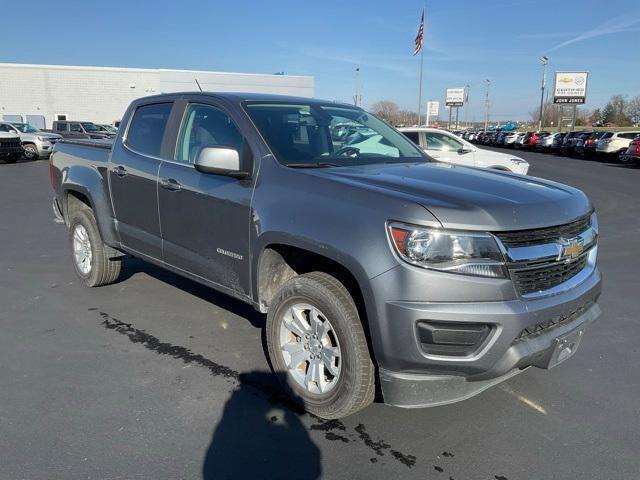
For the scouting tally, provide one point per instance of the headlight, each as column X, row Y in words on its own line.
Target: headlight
column 42, row 139
column 466, row 253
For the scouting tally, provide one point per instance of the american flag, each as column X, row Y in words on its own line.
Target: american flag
column 420, row 36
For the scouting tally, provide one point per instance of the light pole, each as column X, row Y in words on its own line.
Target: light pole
column 486, row 106
column 467, row 89
column 357, row 98
column 544, row 61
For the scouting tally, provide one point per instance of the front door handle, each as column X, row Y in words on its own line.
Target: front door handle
column 170, row 184
column 120, row 171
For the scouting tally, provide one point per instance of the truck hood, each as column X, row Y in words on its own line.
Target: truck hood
column 470, row 198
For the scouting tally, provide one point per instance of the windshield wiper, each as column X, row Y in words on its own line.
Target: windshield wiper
column 312, row 165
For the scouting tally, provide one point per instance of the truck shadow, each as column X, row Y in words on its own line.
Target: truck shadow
column 260, row 437
column 132, row 266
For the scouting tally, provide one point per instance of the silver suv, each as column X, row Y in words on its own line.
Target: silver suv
column 36, row 143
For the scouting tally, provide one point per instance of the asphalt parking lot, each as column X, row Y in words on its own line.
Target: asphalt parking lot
column 156, row 377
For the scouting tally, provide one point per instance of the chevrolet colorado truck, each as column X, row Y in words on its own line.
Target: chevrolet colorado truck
column 381, row 272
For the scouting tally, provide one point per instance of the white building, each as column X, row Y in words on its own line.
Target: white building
column 43, row 93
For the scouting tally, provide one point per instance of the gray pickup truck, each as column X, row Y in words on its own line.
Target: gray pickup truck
column 382, row 272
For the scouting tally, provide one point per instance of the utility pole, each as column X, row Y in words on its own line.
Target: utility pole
column 357, row 98
column 467, row 89
column 486, row 106
column 544, row 61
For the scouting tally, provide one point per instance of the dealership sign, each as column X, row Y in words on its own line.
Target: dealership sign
column 570, row 87
column 433, row 108
column 454, row 97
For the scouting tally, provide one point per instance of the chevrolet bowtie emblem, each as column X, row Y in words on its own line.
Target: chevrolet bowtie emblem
column 572, row 248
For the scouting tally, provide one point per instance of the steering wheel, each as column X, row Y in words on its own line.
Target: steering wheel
column 347, row 152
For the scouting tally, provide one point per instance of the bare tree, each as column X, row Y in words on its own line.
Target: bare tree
column 387, row 110
column 633, row 109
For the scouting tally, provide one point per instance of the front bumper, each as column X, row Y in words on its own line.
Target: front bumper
column 10, row 151
column 523, row 333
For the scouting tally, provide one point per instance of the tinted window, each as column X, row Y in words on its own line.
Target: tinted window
column 147, row 127
column 629, row 135
column 413, row 136
column 442, row 142
column 5, row 128
column 62, row 127
column 206, row 126
column 75, row 127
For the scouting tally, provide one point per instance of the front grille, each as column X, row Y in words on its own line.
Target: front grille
column 539, row 236
column 550, row 275
column 9, row 143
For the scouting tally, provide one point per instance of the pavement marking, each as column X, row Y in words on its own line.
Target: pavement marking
column 529, row 403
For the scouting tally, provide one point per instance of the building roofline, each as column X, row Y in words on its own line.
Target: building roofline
column 138, row 70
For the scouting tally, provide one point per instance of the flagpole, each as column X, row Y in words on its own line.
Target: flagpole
column 420, row 91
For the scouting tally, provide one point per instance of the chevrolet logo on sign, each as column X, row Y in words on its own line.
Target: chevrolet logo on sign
column 572, row 248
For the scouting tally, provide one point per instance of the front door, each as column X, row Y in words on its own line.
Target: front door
column 134, row 179
column 205, row 217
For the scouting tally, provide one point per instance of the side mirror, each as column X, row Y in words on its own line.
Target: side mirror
column 220, row 161
column 463, row 151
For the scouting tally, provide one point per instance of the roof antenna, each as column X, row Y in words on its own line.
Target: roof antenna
column 198, row 83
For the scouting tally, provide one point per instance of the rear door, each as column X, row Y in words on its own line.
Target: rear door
column 134, row 178
column 445, row 148
column 205, row 218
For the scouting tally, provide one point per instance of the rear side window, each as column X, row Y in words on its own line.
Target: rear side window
column 62, row 127
column 413, row 136
column 629, row 135
column 147, row 127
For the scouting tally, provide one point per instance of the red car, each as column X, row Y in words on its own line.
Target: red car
column 531, row 139
column 633, row 152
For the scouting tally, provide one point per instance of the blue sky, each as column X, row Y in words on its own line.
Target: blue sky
column 465, row 43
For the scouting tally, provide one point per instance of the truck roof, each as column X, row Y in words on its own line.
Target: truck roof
column 255, row 97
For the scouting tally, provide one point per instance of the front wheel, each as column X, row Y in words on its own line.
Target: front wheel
column 317, row 346
column 30, row 152
column 90, row 259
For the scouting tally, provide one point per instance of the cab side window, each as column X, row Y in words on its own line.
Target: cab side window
column 147, row 127
column 205, row 126
column 442, row 143
column 75, row 127
column 62, row 127
column 413, row 136
column 5, row 128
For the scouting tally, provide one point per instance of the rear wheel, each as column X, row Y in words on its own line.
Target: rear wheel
column 318, row 348
column 90, row 259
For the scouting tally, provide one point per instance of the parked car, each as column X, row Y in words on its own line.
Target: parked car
column 569, row 143
column 36, row 143
column 510, row 139
column 446, row 147
column 587, row 144
column 108, row 129
column 10, row 147
column 531, row 140
column 519, row 142
column 545, row 142
column 558, row 140
column 87, row 130
column 374, row 270
column 633, row 152
column 616, row 144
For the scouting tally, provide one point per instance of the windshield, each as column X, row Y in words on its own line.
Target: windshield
column 90, row 127
column 326, row 135
column 25, row 128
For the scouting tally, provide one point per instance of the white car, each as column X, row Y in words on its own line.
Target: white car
column 446, row 147
column 615, row 143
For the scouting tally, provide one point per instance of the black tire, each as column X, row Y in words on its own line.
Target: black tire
column 31, row 152
column 355, row 387
column 103, row 270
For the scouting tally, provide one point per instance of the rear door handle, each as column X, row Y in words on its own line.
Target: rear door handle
column 120, row 171
column 170, row 184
